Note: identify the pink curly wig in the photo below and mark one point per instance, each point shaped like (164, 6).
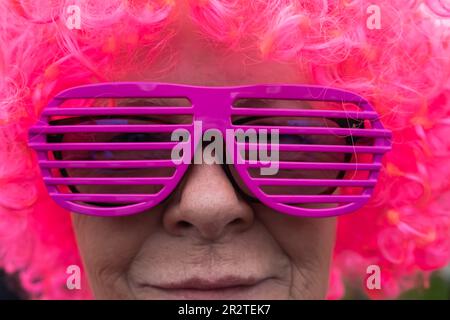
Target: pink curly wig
(403, 69)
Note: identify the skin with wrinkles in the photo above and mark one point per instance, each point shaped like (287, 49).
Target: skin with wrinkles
(402, 69)
(206, 231)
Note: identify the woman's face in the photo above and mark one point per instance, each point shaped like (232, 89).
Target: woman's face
(206, 241)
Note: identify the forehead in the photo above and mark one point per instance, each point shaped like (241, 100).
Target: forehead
(190, 58)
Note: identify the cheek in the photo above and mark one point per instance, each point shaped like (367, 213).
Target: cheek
(299, 236)
(308, 243)
(108, 245)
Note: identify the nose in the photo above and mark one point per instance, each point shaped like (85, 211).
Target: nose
(207, 206)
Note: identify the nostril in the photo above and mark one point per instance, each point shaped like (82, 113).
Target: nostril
(236, 221)
(184, 224)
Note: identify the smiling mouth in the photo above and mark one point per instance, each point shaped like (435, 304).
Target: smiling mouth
(208, 284)
(202, 288)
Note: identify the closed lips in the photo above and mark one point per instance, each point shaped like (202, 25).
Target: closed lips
(209, 284)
